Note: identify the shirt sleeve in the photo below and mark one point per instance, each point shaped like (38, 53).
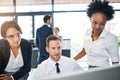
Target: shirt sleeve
(77, 66)
(114, 49)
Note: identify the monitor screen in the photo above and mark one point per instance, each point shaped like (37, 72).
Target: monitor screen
(102, 73)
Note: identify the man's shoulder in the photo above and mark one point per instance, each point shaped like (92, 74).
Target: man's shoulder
(43, 27)
(40, 28)
(43, 63)
(67, 59)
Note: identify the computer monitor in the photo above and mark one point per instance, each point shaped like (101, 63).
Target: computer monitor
(102, 73)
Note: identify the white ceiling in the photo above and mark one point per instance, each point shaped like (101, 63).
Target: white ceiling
(38, 2)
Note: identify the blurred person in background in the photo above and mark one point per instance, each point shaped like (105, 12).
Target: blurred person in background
(41, 34)
(56, 31)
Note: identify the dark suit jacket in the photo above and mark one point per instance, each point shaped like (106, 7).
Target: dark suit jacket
(26, 50)
(41, 35)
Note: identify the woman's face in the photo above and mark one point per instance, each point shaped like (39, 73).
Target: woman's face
(13, 36)
(98, 21)
(56, 31)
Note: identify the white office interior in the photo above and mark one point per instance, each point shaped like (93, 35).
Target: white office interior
(71, 18)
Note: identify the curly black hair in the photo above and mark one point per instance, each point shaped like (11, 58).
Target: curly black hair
(102, 7)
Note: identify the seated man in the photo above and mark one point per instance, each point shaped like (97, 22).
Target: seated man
(56, 63)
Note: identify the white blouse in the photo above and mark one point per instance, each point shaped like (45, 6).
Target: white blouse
(14, 63)
(101, 50)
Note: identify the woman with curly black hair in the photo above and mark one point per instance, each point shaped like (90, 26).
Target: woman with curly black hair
(100, 45)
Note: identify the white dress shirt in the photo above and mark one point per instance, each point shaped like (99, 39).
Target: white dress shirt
(99, 51)
(14, 63)
(48, 68)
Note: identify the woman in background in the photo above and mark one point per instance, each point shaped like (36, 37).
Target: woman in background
(15, 53)
(56, 32)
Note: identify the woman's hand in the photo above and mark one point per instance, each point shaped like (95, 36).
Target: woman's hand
(5, 77)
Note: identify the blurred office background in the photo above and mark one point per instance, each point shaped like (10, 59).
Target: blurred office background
(68, 15)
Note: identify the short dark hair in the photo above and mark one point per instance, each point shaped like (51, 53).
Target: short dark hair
(46, 17)
(9, 24)
(102, 7)
(52, 37)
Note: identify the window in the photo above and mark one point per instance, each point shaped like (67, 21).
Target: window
(25, 22)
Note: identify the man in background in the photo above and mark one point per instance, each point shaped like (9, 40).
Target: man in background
(41, 35)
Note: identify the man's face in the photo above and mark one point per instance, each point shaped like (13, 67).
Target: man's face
(54, 49)
(49, 21)
(98, 21)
